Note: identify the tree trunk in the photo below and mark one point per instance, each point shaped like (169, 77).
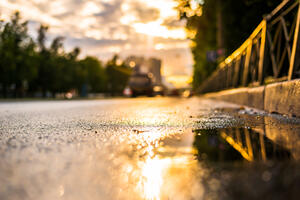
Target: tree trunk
(220, 35)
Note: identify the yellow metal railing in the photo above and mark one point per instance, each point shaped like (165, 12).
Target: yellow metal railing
(272, 50)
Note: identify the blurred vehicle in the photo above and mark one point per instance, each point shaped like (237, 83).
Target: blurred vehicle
(173, 92)
(140, 84)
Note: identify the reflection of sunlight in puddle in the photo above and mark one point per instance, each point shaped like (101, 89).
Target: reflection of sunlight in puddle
(168, 178)
(152, 168)
(160, 175)
(152, 173)
(165, 165)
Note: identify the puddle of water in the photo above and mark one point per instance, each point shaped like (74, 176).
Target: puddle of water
(226, 163)
(256, 157)
(250, 163)
(239, 144)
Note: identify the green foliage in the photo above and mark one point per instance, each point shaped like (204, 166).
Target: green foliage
(240, 18)
(15, 47)
(93, 74)
(118, 75)
(203, 29)
(29, 68)
(236, 22)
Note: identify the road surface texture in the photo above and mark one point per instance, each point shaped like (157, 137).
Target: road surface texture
(146, 148)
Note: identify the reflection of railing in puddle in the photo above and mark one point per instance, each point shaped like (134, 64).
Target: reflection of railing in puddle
(253, 145)
(237, 143)
(256, 144)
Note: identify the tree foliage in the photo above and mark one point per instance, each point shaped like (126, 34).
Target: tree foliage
(33, 68)
(236, 21)
(118, 75)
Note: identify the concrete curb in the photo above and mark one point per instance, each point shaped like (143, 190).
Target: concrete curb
(282, 97)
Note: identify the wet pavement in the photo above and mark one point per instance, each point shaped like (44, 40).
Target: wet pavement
(146, 148)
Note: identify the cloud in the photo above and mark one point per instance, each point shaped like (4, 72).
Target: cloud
(111, 12)
(144, 14)
(105, 27)
(91, 42)
(173, 22)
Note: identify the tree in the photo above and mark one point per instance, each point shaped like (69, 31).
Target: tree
(92, 75)
(29, 67)
(117, 75)
(217, 24)
(201, 26)
(15, 47)
(55, 72)
(44, 73)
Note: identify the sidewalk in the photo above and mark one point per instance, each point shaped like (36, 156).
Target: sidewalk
(282, 97)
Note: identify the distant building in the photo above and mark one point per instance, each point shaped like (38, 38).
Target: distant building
(136, 63)
(154, 66)
(151, 66)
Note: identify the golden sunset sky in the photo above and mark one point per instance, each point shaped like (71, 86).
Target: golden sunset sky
(103, 28)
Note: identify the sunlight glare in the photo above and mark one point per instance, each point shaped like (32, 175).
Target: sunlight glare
(159, 46)
(156, 29)
(179, 80)
(153, 180)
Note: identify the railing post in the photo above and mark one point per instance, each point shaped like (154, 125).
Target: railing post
(237, 67)
(229, 75)
(247, 63)
(248, 143)
(262, 147)
(296, 48)
(262, 52)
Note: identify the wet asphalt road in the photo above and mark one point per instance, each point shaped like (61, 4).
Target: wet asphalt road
(143, 148)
